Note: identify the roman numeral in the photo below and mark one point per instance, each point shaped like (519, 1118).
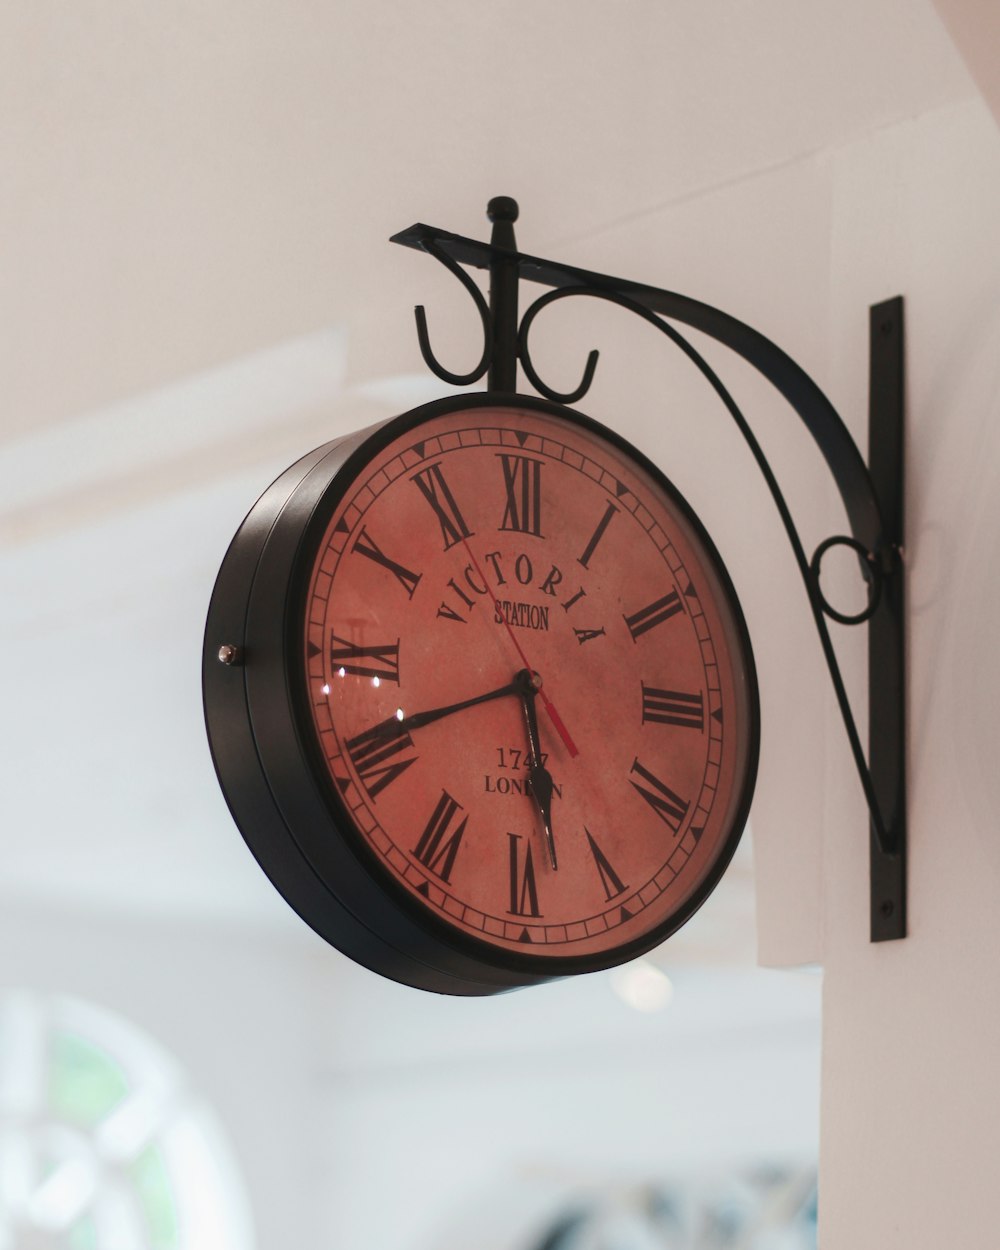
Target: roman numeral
(367, 546)
(672, 707)
(670, 807)
(522, 480)
(523, 893)
(587, 635)
(438, 846)
(610, 880)
(381, 661)
(446, 610)
(597, 535)
(438, 494)
(654, 614)
(374, 758)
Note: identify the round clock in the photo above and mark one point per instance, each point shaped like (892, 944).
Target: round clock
(480, 696)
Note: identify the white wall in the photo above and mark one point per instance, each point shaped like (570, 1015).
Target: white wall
(911, 1096)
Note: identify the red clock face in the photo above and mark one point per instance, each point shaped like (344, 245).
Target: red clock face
(530, 684)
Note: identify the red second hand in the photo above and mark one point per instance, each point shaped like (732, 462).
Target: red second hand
(554, 716)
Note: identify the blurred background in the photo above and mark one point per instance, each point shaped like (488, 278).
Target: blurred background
(196, 288)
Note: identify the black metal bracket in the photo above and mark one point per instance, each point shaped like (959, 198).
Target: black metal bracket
(872, 494)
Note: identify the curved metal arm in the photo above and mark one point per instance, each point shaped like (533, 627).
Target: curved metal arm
(788, 378)
(816, 601)
(446, 375)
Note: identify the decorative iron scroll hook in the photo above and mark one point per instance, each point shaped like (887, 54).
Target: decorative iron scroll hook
(558, 397)
(446, 375)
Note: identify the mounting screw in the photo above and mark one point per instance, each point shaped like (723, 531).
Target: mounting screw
(228, 654)
(887, 909)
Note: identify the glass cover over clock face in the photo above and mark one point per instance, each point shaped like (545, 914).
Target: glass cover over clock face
(530, 684)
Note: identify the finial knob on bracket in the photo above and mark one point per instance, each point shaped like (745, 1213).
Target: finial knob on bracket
(502, 208)
(503, 212)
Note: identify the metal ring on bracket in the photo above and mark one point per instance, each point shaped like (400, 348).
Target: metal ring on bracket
(875, 581)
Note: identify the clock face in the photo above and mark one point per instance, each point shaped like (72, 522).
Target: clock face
(528, 682)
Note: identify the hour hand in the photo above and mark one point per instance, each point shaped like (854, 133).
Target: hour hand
(541, 788)
(539, 777)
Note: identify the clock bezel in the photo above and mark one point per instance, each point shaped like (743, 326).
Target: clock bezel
(386, 926)
(481, 949)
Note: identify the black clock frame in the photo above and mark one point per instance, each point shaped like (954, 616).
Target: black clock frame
(872, 494)
(273, 775)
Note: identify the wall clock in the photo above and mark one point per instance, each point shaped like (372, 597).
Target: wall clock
(480, 696)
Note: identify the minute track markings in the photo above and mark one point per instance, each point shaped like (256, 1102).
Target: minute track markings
(632, 903)
(550, 449)
(482, 437)
(397, 466)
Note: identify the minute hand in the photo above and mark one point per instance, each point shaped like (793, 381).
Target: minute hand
(394, 726)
